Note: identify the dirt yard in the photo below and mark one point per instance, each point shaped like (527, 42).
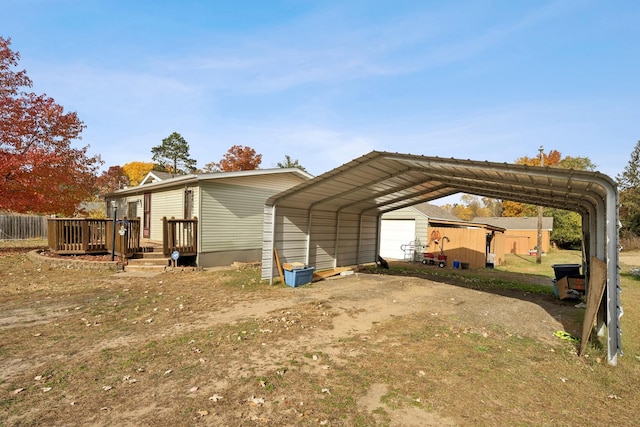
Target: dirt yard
(82, 347)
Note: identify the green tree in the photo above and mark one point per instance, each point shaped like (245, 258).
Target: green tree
(288, 163)
(567, 226)
(629, 192)
(173, 155)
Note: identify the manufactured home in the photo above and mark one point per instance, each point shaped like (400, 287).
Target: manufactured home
(221, 214)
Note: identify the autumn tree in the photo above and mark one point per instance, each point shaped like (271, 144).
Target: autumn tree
(629, 191)
(237, 158)
(288, 163)
(173, 155)
(136, 171)
(471, 206)
(567, 225)
(40, 172)
(111, 180)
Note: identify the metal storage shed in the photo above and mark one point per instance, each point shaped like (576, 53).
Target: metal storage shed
(333, 220)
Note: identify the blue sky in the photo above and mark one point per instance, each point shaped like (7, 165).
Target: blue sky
(328, 81)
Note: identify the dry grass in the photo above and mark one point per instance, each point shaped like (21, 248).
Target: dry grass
(630, 242)
(83, 347)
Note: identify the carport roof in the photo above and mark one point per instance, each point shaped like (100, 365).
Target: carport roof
(380, 182)
(383, 181)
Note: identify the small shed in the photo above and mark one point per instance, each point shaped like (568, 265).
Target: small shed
(521, 233)
(478, 245)
(228, 207)
(409, 233)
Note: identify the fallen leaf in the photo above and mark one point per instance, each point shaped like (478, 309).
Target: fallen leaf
(46, 389)
(203, 413)
(37, 377)
(326, 390)
(106, 387)
(257, 401)
(168, 371)
(18, 390)
(193, 389)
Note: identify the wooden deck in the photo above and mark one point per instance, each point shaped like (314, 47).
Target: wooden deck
(78, 236)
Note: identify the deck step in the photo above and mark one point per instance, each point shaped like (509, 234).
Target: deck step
(158, 261)
(148, 255)
(145, 268)
(158, 268)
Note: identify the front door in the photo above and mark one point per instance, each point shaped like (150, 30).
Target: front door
(146, 216)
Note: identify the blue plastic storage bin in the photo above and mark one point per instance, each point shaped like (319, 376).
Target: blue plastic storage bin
(298, 277)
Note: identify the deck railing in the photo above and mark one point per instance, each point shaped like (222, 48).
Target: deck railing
(77, 236)
(180, 235)
(127, 236)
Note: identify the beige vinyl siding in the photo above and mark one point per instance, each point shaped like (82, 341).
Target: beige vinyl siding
(232, 211)
(167, 203)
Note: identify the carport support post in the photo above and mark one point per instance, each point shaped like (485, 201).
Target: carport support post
(336, 248)
(309, 219)
(272, 241)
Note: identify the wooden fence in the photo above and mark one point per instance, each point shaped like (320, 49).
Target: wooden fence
(21, 227)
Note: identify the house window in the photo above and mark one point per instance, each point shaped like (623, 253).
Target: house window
(188, 204)
(132, 210)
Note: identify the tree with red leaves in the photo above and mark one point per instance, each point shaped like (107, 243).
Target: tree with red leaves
(111, 180)
(238, 158)
(39, 170)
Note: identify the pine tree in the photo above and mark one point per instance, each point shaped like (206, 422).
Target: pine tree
(173, 155)
(630, 177)
(629, 191)
(288, 163)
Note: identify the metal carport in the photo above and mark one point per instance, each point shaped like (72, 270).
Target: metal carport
(333, 220)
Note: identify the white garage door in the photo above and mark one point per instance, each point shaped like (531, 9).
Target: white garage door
(393, 234)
